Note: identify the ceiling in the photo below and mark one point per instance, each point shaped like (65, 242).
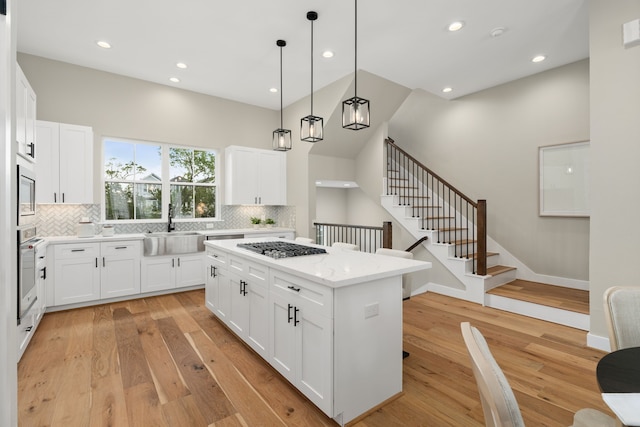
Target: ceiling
(230, 47)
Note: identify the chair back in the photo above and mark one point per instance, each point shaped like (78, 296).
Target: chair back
(346, 246)
(622, 311)
(394, 252)
(304, 240)
(499, 404)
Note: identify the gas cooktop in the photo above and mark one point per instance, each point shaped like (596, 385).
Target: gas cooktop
(277, 249)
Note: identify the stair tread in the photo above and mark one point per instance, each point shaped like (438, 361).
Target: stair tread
(499, 269)
(452, 229)
(575, 300)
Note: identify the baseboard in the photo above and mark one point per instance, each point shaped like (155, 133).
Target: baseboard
(598, 342)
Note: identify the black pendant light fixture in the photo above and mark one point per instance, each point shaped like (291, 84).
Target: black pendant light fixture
(281, 136)
(355, 111)
(311, 126)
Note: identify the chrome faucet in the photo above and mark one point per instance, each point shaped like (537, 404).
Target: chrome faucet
(170, 226)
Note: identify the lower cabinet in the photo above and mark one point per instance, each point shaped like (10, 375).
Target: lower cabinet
(168, 272)
(301, 337)
(91, 271)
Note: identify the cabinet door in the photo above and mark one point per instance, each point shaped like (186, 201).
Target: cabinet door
(48, 168)
(258, 325)
(22, 88)
(272, 187)
(30, 130)
(211, 284)
(190, 270)
(76, 164)
(282, 336)
(77, 273)
(239, 313)
(241, 184)
(223, 310)
(158, 273)
(120, 274)
(314, 356)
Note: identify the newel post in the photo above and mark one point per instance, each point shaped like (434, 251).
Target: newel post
(387, 237)
(482, 238)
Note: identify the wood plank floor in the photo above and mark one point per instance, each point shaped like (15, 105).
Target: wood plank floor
(166, 361)
(575, 300)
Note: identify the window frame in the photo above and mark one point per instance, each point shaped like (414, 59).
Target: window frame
(164, 181)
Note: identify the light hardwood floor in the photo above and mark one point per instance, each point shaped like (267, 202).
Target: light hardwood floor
(166, 361)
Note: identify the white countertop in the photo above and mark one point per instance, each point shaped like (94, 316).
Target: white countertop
(140, 236)
(336, 268)
(97, 238)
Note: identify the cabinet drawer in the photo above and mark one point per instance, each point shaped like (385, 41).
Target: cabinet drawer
(252, 271)
(77, 250)
(217, 256)
(129, 249)
(307, 294)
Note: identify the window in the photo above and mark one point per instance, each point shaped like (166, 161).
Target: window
(140, 178)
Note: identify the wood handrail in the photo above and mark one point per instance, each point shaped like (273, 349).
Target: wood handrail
(435, 175)
(416, 244)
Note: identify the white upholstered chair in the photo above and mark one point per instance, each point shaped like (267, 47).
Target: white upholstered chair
(622, 311)
(304, 240)
(347, 246)
(394, 252)
(499, 404)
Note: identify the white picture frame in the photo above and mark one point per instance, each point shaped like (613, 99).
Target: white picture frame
(564, 179)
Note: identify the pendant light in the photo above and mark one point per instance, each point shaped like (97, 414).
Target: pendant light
(311, 126)
(355, 111)
(281, 136)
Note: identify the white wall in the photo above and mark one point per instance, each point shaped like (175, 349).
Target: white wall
(332, 205)
(615, 145)
(8, 250)
(486, 145)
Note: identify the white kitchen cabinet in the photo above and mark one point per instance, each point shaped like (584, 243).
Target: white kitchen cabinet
(65, 172)
(91, 271)
(249, 305)
(30, 321)
(301, 336)
(25, 117)
(168, 272)
(77, 273)
(254, 176)
(120, 273)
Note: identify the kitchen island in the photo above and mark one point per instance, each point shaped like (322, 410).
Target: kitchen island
(330, 323)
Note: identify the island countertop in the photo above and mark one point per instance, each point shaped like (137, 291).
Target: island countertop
(337, 268)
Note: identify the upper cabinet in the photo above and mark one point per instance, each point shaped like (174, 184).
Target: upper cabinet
(65, 170)
(25, 117)
(255, 177)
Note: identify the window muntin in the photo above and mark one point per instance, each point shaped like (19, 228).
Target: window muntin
(134, 184)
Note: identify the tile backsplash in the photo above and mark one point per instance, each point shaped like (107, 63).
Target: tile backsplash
(62, 219)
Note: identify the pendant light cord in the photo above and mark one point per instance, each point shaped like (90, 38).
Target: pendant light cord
(355, 67)
(312, 67)
(281, 122)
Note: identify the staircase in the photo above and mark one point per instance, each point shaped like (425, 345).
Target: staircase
(426, 205)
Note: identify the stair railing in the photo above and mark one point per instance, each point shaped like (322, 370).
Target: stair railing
(368, 238)
(439, 206)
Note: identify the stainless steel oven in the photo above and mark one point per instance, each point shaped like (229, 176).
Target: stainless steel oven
(26, 196)
(27, 280)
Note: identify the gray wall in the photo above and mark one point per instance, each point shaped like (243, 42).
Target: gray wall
(615, 145)
(119, 106)
(486, 144)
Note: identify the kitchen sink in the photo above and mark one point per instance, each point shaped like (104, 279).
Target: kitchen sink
(177, 242)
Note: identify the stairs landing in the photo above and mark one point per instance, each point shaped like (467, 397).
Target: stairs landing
(547, 302)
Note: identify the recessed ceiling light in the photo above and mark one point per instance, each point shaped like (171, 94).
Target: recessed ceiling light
(456, 26)
(327, 54)
(447, 89)
(181, 65)
(538, 58)
(174, 79)
(273, 90)
(103, 44)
